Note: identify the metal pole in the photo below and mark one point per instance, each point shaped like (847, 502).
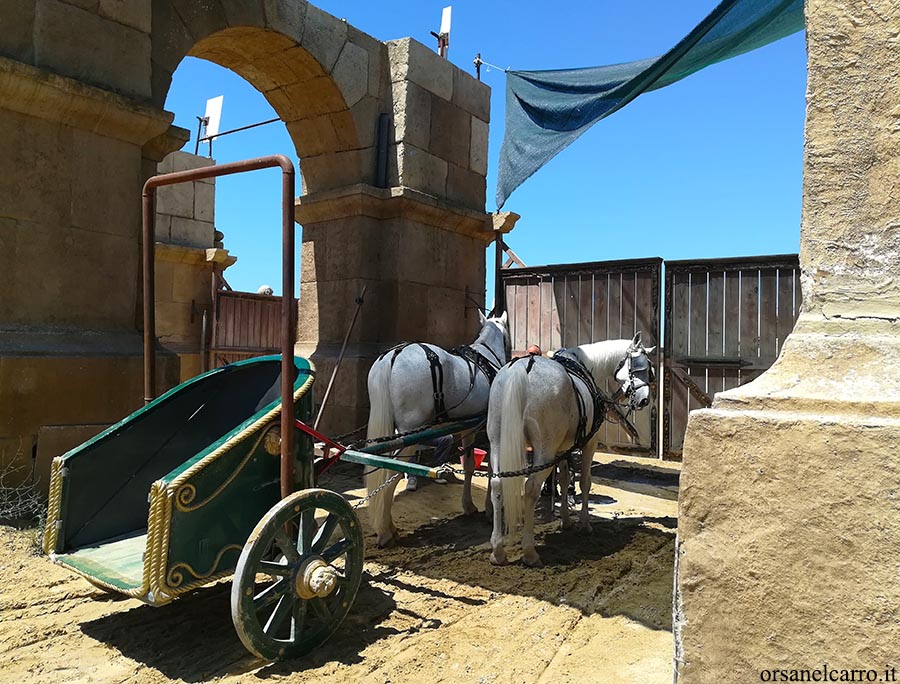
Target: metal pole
(289, 333)
(204, 366)
(359, 303)
(149, 262)
(499, 292)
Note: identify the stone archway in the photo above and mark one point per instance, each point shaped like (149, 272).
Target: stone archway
(321, 76)
(417, 242)
(82, 86)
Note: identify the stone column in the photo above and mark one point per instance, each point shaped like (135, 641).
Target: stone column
(419, 243)
(71, 163)
(789, 528)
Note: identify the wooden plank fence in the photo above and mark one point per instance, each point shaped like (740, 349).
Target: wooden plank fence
(572, 304)
(244, 325)
(725, 322)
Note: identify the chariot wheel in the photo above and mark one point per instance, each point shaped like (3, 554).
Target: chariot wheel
(298, 575)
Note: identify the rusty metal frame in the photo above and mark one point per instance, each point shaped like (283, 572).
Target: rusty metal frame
(289, 315)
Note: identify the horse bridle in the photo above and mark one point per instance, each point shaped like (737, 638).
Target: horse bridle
(634, 382)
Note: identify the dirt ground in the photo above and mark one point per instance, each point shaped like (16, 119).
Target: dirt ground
(432, 610)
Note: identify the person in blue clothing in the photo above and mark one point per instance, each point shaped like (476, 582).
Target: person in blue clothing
(443, 453)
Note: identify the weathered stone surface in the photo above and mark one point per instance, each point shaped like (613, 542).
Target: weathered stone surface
(27, 161)
(119, 62)
(421, 170)
(410, 60)
(191, 233)
(478, 150)
(465, 187)
(201, 18)
(337, 170)
(787, 504)
(314, 97)
(412, 114)
(176, 200)
(324, 36)
(89, 5)
(134, 14)
(450, 133)
(243, 13)
(205, 202)
(472, 95)
(119, 212)
(286, 16)
(351, 72)
(17, 31)
(365, 115)
(171, 42)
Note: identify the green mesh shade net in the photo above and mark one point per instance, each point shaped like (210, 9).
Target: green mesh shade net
(546, 111)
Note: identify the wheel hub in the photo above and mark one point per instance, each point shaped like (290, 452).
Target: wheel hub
(315, 578)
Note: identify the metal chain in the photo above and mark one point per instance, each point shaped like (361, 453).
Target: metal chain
(528, 470)
(377, 489)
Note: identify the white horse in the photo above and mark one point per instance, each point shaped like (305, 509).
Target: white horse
(405, 388)
(538, 403)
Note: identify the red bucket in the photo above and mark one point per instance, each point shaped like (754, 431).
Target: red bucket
(479, 457)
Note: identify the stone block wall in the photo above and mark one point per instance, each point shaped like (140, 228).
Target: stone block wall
(185, 258)
(441, 116)
(185, 213)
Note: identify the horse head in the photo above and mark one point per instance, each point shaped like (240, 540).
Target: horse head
(635, 373)
(494, 333)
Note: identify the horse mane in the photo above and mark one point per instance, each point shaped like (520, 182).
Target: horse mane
(602, 357)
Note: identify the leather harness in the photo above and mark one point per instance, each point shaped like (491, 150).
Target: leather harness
(599, 399)
(473, 358)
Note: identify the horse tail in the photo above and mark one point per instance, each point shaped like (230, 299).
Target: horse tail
(512, 445)
(381, 424)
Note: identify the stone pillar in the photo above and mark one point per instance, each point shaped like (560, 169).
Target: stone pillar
(418, 244)
(185, 258)
(71, 163)
(789, 527)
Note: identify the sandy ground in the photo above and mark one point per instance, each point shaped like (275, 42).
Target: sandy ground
(432, 610)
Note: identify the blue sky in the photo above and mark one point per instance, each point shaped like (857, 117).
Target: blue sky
(708, 167)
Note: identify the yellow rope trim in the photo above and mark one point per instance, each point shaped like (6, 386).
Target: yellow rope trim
(186, 493)
(160, 521)
(174, 578)
(54, 506)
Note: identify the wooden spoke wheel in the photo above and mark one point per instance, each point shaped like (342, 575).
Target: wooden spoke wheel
(297, 575)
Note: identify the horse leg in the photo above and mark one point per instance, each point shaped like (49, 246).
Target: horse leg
(385, 530)
(564, 495)
(498, 553)
(489, 498)
(469, 467)
(587, 460)
(532, 492)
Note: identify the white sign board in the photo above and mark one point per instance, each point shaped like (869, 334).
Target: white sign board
(213, 115)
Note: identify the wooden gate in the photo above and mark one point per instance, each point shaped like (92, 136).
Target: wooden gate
(571, 304)
(726, 320)
(244, 325)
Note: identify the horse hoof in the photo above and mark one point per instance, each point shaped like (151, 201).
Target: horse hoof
(471, 509)
(497, 559)
(567, 525)
(585, 526)
(532, 561)
(386, 541)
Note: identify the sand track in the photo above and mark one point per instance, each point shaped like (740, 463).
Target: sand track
(431, 610)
